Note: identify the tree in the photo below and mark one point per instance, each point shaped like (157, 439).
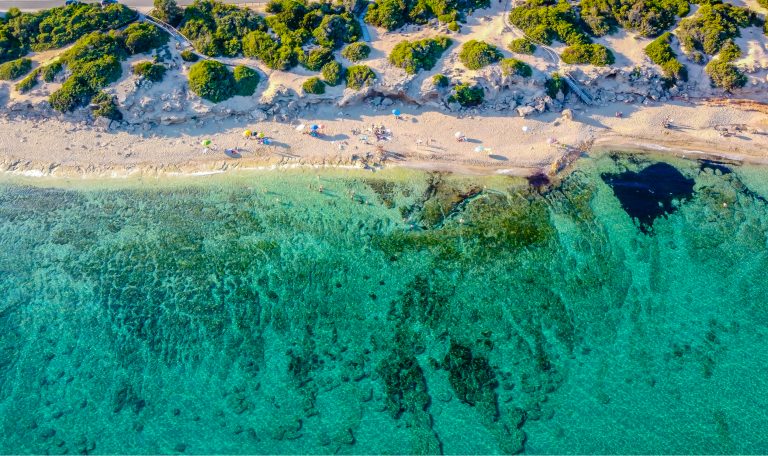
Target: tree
(168, 11)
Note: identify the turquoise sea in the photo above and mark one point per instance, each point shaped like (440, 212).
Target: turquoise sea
(622, 310)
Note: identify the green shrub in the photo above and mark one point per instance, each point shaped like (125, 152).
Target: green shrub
(246, 80)
(56, 27)
(316, 58)
(93, 47)
(392, 14)
(454, 26)
(337, 29)
(514, 66)
(189, 56)
(50, 71)
(730, 52)
(725, 75)
(28, 83)
(15, 69)
(148, 70)
(555, 84)
(141, 37)
(522, 46)
(359, 76)
(211, 80)
(545, 21)
(647, 17)
(440, 80)
(105, 106)
(661, 53)
(478, 54)
(10, 46)
(75, 92)
(413, 56)
(168, 11)
(467, 95)
(313, 85)
(356, 52)
(262, 46)
(216, 28)
(333, 73)
(712, 26)
(582, 54)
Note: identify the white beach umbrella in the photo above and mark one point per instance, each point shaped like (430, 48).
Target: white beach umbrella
(300, 127)
(458, 134)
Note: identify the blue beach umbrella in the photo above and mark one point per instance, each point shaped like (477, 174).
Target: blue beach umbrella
(396, 112)
(314, 127)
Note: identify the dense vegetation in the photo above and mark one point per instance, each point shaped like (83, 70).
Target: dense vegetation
(356, 52)
(478, 54)
(647, 17)
(50, 71)
(522, 46)
(545, 22)
(333, 73)
(712, 25)
(555, 85)
(216, 28)
(189, 56)
(246, 80)
(142, 37)
(28, 83)
(583, 54)
(211, 80)
(168, 11)
(14, 69)
(413, 56)
(661, 53)
(722, 72)
(56, 27)
(393, 14)
(467, 95)
(359, 76)
(105, 106)
(314, 59)
(515, 67)
(314, 86)
(149, 70)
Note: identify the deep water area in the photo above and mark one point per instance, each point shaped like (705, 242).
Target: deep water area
(621, 310)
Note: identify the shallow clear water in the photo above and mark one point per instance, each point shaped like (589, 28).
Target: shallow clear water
(395, 313)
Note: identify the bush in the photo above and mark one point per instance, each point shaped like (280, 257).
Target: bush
(413, 56)
(725, 75)
(467, 95)
(648, 17)
(332, 73)
(730, 52)
(50, 71)
(217, 28)
(148, 70)
(75, 92)
(105, 106)
(359, 76)
(316, 58)
(712, 26)
(478, 54)
(661, 53)
(10, 46)
(522, 46)
(168, 11)
(314, 86)
(356, 52)
(56, 27)
(392, 14)
(28, 83)
(440, 80)
(211, 80)
(454, 26)
(189, 56)
(337, 29)
(555, 84)
(514, 66)
(262, 46)
(545, 21)
(246, 80)
(582, 54)
(15, 69)
(141, 37)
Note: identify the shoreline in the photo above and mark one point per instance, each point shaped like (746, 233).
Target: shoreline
(422, 140)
